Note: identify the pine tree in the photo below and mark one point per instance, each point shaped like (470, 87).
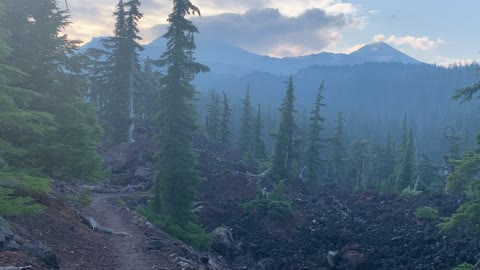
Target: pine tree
(133, 16)
(225, 121)
(246, 135)
(176, 177)
(212, 124)
(259, 151)
(339, 153)
(407, 166)
(454, 141)
(360, 163)
(284, 139)
(55, 74)
(315, 141)
(18, 123)
(121, 64)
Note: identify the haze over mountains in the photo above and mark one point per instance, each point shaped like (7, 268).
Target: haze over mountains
(375, 87)
(227, 59)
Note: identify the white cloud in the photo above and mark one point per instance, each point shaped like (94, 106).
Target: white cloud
(419, 43)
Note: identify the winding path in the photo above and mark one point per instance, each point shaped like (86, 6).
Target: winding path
(129, 250)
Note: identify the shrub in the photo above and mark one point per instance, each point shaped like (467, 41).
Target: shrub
(83, 199)
(468, 214)
(274, 206)
(11, 205)
(464, 266)
(410, 192)
(426, 213)
(192, 233)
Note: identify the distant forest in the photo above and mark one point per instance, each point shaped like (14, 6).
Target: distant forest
(374, 98)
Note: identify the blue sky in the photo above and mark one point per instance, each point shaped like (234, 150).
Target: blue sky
(433, 31)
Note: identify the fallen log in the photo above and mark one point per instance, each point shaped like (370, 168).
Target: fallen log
(92, 223)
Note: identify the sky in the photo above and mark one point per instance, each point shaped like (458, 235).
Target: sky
(432, 31)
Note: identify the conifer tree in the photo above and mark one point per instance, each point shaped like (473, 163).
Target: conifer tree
(315, 141)
(246, 135)
(212, 124)
(407, 166)
(55, 74)
(176, 177)
(339, 153)
(18, 122)
(259, 151)
(284, 139)
(225, 121)
(360, 163)
(454, 141)
(121, 64)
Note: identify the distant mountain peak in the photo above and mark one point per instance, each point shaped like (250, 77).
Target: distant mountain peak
(382, 52)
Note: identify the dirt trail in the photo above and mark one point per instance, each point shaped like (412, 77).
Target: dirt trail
(129, 250)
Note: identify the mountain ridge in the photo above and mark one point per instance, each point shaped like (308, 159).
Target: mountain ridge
(228, 59)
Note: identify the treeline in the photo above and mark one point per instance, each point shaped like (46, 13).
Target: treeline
(305, 147)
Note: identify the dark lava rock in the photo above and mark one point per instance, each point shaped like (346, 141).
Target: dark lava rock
(44, 253)
(222, 241)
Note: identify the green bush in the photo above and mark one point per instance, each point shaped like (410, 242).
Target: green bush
(468, 214)
(410, 192)
(426, 213)
(275, 206)
(11, 205)
(192, 233)
(464, 266)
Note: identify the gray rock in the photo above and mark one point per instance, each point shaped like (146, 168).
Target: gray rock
(44, 253)
(222, 241)
(7, 237)
(265, 264)
(357, 261)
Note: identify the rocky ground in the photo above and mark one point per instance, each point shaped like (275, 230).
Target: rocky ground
(330, 229)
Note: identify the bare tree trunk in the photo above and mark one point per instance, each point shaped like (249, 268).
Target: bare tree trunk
(130, 100)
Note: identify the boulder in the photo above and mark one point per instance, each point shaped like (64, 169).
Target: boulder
(44, 253)
(266, 264)
(7, 238)
(143, 174)
(357, 261)
(222, 241)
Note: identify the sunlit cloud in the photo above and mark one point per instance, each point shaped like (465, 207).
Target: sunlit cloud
(419, 43)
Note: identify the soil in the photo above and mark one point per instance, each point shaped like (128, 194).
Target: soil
(79, 247)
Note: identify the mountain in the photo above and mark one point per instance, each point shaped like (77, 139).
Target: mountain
(227, 59)
(382, 52)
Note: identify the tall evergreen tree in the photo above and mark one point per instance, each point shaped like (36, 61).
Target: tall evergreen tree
(212, 124)
(225, 121)
(133, 15)
(246, 135)
(360, 164)
(18, 123)
(454, 143)
(259, 151)
(407, 167)
(121, 64)
(176, 177)
(315, 141)
(339, 153)
(55, 74)
(284, 139)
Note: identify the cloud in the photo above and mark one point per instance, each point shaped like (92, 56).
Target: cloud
(419, 43)
(268, 31)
